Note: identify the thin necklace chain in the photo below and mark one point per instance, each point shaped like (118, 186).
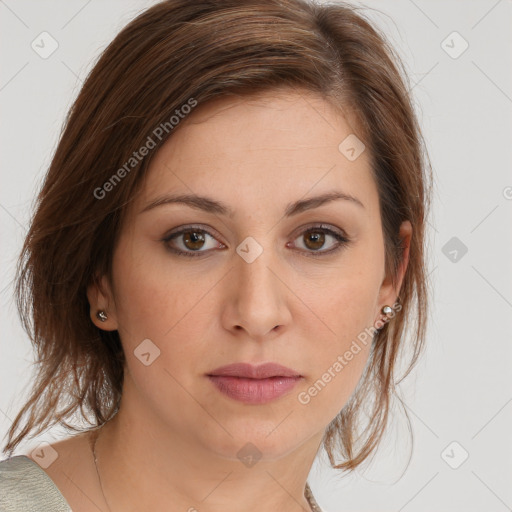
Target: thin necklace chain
(96, 466)
(307, 493)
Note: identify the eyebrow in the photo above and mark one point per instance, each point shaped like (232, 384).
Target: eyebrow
(210, 205)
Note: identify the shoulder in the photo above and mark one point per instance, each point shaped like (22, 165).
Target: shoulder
(25, 486)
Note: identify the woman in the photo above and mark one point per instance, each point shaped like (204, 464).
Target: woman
(225, 254)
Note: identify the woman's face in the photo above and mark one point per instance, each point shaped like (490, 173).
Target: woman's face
(267, 280)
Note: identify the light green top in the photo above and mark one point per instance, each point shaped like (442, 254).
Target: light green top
(25, 487)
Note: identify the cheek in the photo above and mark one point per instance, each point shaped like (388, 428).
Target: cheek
(338, 356)
(343, 329)
(155, 301)
(347, 324)
(326, 395)
(344, 306)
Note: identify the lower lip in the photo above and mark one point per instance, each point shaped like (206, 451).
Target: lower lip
(254, 391)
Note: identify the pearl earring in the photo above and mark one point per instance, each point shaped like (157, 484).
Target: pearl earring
(387, 310)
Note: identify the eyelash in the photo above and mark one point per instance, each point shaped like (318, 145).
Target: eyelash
(341, 239)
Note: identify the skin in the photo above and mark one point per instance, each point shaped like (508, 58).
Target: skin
(176, 437)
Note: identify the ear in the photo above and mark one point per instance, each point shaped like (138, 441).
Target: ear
(388, 294)
(101, 298)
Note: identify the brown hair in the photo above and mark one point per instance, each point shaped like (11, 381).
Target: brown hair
(175, 53)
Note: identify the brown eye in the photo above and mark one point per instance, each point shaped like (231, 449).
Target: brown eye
(193, 240)
(320, 241)
(314, 240)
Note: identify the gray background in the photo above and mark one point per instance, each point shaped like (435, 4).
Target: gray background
(461, 391)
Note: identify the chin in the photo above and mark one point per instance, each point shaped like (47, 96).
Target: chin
(254, 440)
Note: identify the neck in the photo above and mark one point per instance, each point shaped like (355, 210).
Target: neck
(138, 470)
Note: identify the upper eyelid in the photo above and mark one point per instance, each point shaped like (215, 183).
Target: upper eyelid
(184, 229)
(319, 225)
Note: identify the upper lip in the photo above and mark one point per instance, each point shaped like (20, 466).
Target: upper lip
(262, 371)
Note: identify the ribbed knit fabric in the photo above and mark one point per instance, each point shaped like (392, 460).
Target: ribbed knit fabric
(25, 487)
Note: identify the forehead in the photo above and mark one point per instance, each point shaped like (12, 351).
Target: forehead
(275, 146)
(295, 116)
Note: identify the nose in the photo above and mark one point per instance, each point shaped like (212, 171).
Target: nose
(257, 302)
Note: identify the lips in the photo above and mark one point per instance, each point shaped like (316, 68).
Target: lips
(254, 385)
(250, 371)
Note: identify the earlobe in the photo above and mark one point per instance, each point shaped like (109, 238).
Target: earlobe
(102, 305)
